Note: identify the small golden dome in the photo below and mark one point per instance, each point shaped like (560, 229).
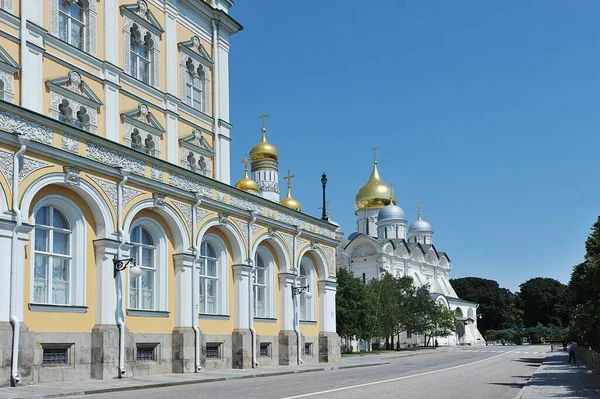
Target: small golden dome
(290, 202)
(264, 150)
(374, 194)
(247, 184)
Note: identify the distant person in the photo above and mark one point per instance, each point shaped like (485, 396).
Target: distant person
(571, 350)
(564, 346)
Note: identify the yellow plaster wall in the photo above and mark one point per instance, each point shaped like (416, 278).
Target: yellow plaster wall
(208, 326)
(9, 29)
(63, 322)
(156, 325)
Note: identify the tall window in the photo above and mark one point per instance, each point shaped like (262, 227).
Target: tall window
(140, 54)
(303, 283)
(71, 22)
(193, 86)
(208, 278)
(260, 287)
(307, 278)
(142, 290)
(52, 252)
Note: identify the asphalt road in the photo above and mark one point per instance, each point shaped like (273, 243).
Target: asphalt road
(491, 372)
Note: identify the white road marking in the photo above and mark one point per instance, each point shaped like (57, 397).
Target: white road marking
(393, 379)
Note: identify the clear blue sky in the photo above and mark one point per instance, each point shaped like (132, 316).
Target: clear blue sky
(488, 112)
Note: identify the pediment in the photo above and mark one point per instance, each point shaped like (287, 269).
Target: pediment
(363, 245)
(194, 48)
(196, 141)
(140, 13)
(142, 118)
(73, 86)
(8, 63)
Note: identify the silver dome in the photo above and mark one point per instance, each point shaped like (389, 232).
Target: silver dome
(390, 212)
(351, 236)
(419, 226)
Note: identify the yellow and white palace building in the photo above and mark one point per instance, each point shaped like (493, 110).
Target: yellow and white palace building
(114, 144)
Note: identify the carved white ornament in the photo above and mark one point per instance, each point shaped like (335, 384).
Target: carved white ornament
(72, 177)
(129, 194)
(271, 213)
(188, 184)
(109, 188)
(330, 257)
(156, 173)
(6, 166)
(90, 30)
(197, 67)
(16, 124)
(243, 227)
(154, 52)
(221, 195)
(186, 211)
(293, 220)
(70, 143)
(57, 98)
(8, 79)
(243, 203)
(202, 213)
(268, 186)
(144, 135)
(363, 249)
(113, 158)
(289, 241)
(7, 5)
(301, 242)
(28, 166)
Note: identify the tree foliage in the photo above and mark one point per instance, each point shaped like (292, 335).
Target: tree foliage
(544, 301)
(353, 307)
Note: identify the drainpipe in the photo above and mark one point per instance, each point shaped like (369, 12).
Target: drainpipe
(14, 270)
(195, 281)
(121, 314)
(251, 291)
(216, 113)
(296, 300)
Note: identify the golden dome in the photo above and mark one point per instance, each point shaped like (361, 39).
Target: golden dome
(247, 184)
(264, 150)
(288, 201)
(374, 194)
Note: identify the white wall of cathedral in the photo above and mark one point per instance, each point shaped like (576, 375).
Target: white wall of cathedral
(421, 238)
(392, 231)
(366, 221)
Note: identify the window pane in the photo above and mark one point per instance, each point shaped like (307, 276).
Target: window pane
(59, 220)
(135, 235)
(41, 239)
(260, 276)
(147, 289)
(63, 28)
(210, 251)
(197, 104)
(134, 63)
(133, 293)
(61, 243)
(63, 5)
(42, 217)
(147, 257)
(40, 285)
(77, 38)
(60, 281)
(188, 94)
(211, 268)
(146, 237)
(77, 12)
(146, 72)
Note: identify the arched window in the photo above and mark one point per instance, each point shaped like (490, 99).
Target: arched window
(140, 54)
(72, 22)
(209, 279)
(83, 119)
(136, 140)
(263, 294)
(52, 270)
(65, 113)
(193, 86)
(307, 278)
(142, 290)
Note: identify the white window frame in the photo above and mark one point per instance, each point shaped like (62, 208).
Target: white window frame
(89, 8)
(191, 66)
(136, 252)
(76, 220)
(70, 20)
(269, 284)
(145, 29)
(306, 311)
(222, 294)
(146, 43)
(160, 261)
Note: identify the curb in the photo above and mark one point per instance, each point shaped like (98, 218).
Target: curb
(200, 381)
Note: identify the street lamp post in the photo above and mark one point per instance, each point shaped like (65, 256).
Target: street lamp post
(296, 292)
(324, 183)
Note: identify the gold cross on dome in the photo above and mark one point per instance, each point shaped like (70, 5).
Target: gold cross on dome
(263, 116)
(391, 192)
(374, 149)
(245, 161)
(419, 207)
(289, 178)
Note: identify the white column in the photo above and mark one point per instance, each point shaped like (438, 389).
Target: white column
(6, 228)
(327, 290)
(222, 98)
(111, 31)
(241, 277)
(106, 296)
(224, 148)
(32, 84)
(172, 138)
(35, 11)
(112, 121)
(183, 289)
(286, 305)
(171, 49)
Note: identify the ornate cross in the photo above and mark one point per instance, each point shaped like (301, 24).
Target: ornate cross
(263, 116)
(245, 161)
(391, 192)
(289, 178)
(374, 149)
(419, 206)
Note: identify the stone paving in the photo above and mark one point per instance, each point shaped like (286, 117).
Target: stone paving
(556, 378)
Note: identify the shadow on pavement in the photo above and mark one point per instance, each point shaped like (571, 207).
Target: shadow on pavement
(509, 384)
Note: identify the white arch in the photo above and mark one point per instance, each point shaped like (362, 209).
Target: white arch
(282, 255)
(320, 261)
(103, 217)
(174, 221)
(238, 246)
(3, 201)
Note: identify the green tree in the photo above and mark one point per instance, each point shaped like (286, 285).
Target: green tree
(496, 305)
(544, 301)
(353, 307)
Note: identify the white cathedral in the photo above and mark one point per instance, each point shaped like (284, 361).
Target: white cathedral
(381, 243)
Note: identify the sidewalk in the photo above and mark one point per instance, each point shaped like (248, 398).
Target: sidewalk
(88, 387)
(556, 378)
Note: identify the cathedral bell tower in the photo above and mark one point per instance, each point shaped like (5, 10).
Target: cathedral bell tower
(264, 164)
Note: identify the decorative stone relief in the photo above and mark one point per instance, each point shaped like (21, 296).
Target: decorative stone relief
(109, 188)
(271, 213)
(142, 140)
(198, 71)
(301, 242)
(156, 173)
(8, 6)
(243, 203)
(72, 177)
(268, 186)
(8, 81)
(243, 227)
(293, 220)
(289, 241)
(35, 132)
(221, 196)
(6, 166)
(29, 166)
(202, 213)
(188, 184)
(90, 30)
(57, 99)
(113, 158)
(330, 257)
(70, 143)
(159, 200)
(186, 211)
(129, 194)
(256, 229)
